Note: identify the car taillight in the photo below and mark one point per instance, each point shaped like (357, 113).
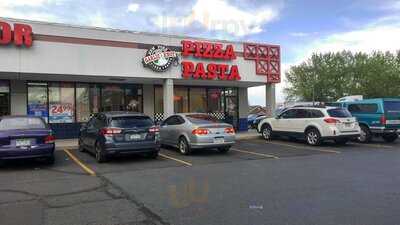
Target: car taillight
(49, 139)
(229, 130)
(383, 120)
(200, 131)
(154, 129)
(110, 131)
(331, 120)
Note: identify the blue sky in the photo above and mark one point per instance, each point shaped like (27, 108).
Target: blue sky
(300, 27)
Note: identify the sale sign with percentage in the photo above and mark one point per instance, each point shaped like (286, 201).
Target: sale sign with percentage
(61, 113)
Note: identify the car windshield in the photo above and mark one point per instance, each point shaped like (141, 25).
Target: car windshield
(202, 119)
(392, 106)
(18, 123)
(131, 121)
(339, 113)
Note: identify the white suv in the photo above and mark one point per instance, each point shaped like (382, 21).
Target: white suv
(313, 124)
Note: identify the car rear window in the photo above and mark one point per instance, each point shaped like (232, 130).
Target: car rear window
(339, 113)
(18, 123)
(131, 121)
(202, 119)
(392, 106)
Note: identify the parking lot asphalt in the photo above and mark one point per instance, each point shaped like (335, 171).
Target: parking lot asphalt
(257, 182)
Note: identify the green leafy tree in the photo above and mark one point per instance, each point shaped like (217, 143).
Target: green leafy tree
(330, 76)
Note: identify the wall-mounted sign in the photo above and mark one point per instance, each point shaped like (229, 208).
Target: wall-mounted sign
(267, 60)
(21, 35)
(210, 71)
(159, 58)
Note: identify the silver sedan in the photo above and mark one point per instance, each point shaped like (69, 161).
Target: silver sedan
(189, 131)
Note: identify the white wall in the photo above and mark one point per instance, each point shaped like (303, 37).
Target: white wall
(46, 57)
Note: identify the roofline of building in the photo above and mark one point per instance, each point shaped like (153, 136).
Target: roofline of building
(128, 31)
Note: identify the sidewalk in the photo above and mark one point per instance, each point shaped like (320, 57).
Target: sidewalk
(73, 143)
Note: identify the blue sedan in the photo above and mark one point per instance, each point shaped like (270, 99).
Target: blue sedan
(25, 137)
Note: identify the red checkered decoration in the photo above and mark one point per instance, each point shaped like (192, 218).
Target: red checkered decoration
(267, 58)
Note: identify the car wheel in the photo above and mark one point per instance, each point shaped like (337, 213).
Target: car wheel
(365, 135)
(224, 149)
(341, 141)
(389, 138)
(152, 155)
(50, 160)
(266, 132)
(80, 146)
(313, 137)
(99, 153)
(183, 146)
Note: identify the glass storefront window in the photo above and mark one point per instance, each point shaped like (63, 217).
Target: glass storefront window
(158, 100)
(4, 98)
(112, 98)
(82, 102)
(37, 100)
(134, 98)
(181, 101)
(61, 103)
(198, 100)
(215, 100)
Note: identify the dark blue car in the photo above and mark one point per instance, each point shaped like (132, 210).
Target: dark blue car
(25, 137)
(118, 133)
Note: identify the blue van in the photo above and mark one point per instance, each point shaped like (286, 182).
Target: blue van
(377, 117)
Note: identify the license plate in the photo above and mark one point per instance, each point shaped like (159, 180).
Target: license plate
(22, 142)
(393, 122)
(135, 136)
(218, 140)
(347, 125)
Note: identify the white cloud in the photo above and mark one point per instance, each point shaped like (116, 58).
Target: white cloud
(133, 7)
(219, 15)
(8, 8)
(12, 3)
(97, 20)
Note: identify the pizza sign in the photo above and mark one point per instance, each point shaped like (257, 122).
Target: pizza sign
(212, 70)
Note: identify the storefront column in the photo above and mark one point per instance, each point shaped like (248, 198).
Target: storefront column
(168, 89)
(18, 97)
(270, 101)
(243, 109)
(148, 100)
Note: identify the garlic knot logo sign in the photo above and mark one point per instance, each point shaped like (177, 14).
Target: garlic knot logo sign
(159, 58)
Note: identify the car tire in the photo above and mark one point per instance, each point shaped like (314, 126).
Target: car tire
(313, 137)
(183, 146)
(49, 160)
(80, 146)
(341, 141)
(365, 135)
(389, 138)
(266, 132)
(152, 155)
(101, 157)
(224, 149)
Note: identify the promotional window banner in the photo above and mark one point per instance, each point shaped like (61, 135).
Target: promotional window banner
(38, 109)
(61, 113)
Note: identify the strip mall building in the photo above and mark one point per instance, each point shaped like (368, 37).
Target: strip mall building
(65, 73)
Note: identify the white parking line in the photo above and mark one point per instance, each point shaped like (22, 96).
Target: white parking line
(175, 159)
(255, 153)
(311, 148)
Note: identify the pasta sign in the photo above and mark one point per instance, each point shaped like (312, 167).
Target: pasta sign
(211, 71)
